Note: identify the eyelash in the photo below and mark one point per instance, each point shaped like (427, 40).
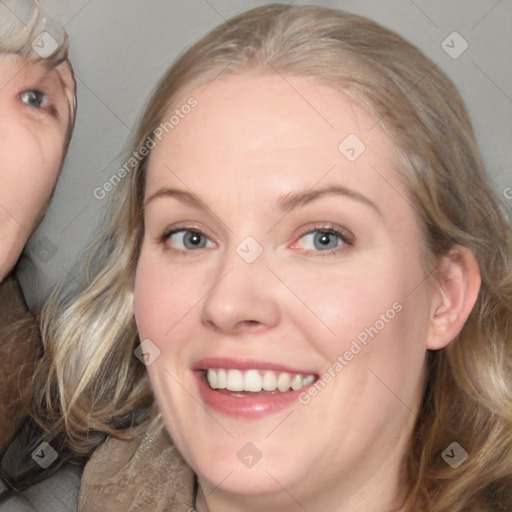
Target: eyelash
(344, 236)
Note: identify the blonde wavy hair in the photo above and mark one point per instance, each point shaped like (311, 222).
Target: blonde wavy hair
(89, 384)
(23, 25)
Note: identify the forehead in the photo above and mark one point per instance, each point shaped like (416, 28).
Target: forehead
(268, 132)
(16, 69)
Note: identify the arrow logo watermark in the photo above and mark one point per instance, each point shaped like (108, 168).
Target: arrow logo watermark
(351, 147)
(44, 455)
(147, 352)
(249, 455)
(454, 455)
(249, 249)
(454, 45)
(45, 45)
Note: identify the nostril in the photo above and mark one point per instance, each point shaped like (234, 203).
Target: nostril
(250, 323)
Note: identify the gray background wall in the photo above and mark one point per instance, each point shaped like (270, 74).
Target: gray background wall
(119, 48)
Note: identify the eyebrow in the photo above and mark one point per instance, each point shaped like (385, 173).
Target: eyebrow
(293, 199)
(285, 203)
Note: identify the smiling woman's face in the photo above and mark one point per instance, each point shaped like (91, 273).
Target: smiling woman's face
(248, 271)
(35, 110)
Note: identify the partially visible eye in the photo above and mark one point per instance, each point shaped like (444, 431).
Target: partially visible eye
(183, 239)
(324, 240)
(35, 98)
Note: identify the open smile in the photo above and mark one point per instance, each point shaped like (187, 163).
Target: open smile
(249, 389)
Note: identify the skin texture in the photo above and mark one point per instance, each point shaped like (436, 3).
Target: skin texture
(251, 140)
(33, 132)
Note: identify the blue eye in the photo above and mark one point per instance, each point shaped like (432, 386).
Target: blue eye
(34, 98)
(184, 239)
(324, 240)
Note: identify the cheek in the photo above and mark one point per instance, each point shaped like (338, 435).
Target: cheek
(145, 308)
(161, 297)
(365, 322)
(29, 166)
(368, 328)
(333, 305)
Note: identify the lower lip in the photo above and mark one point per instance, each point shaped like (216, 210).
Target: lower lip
(245, 407)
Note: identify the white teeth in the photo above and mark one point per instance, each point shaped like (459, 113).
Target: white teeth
(256, 380)
(308, 380)
(253, 381)
(269, 381)
(212, 379)
(283, 382)
(297, 382)
(222, 378)
(235, 381)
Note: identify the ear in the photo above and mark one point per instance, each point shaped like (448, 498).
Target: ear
(458, 284)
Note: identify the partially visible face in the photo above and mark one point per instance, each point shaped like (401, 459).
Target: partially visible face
(35, 115)
(267, 292)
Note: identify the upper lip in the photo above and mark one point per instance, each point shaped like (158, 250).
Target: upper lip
(246, 364)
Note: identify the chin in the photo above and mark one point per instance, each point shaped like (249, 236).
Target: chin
(234, 478)
(241, 467)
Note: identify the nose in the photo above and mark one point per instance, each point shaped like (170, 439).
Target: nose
(242, 298)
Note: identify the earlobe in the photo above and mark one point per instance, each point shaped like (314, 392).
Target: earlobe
(458, 284)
